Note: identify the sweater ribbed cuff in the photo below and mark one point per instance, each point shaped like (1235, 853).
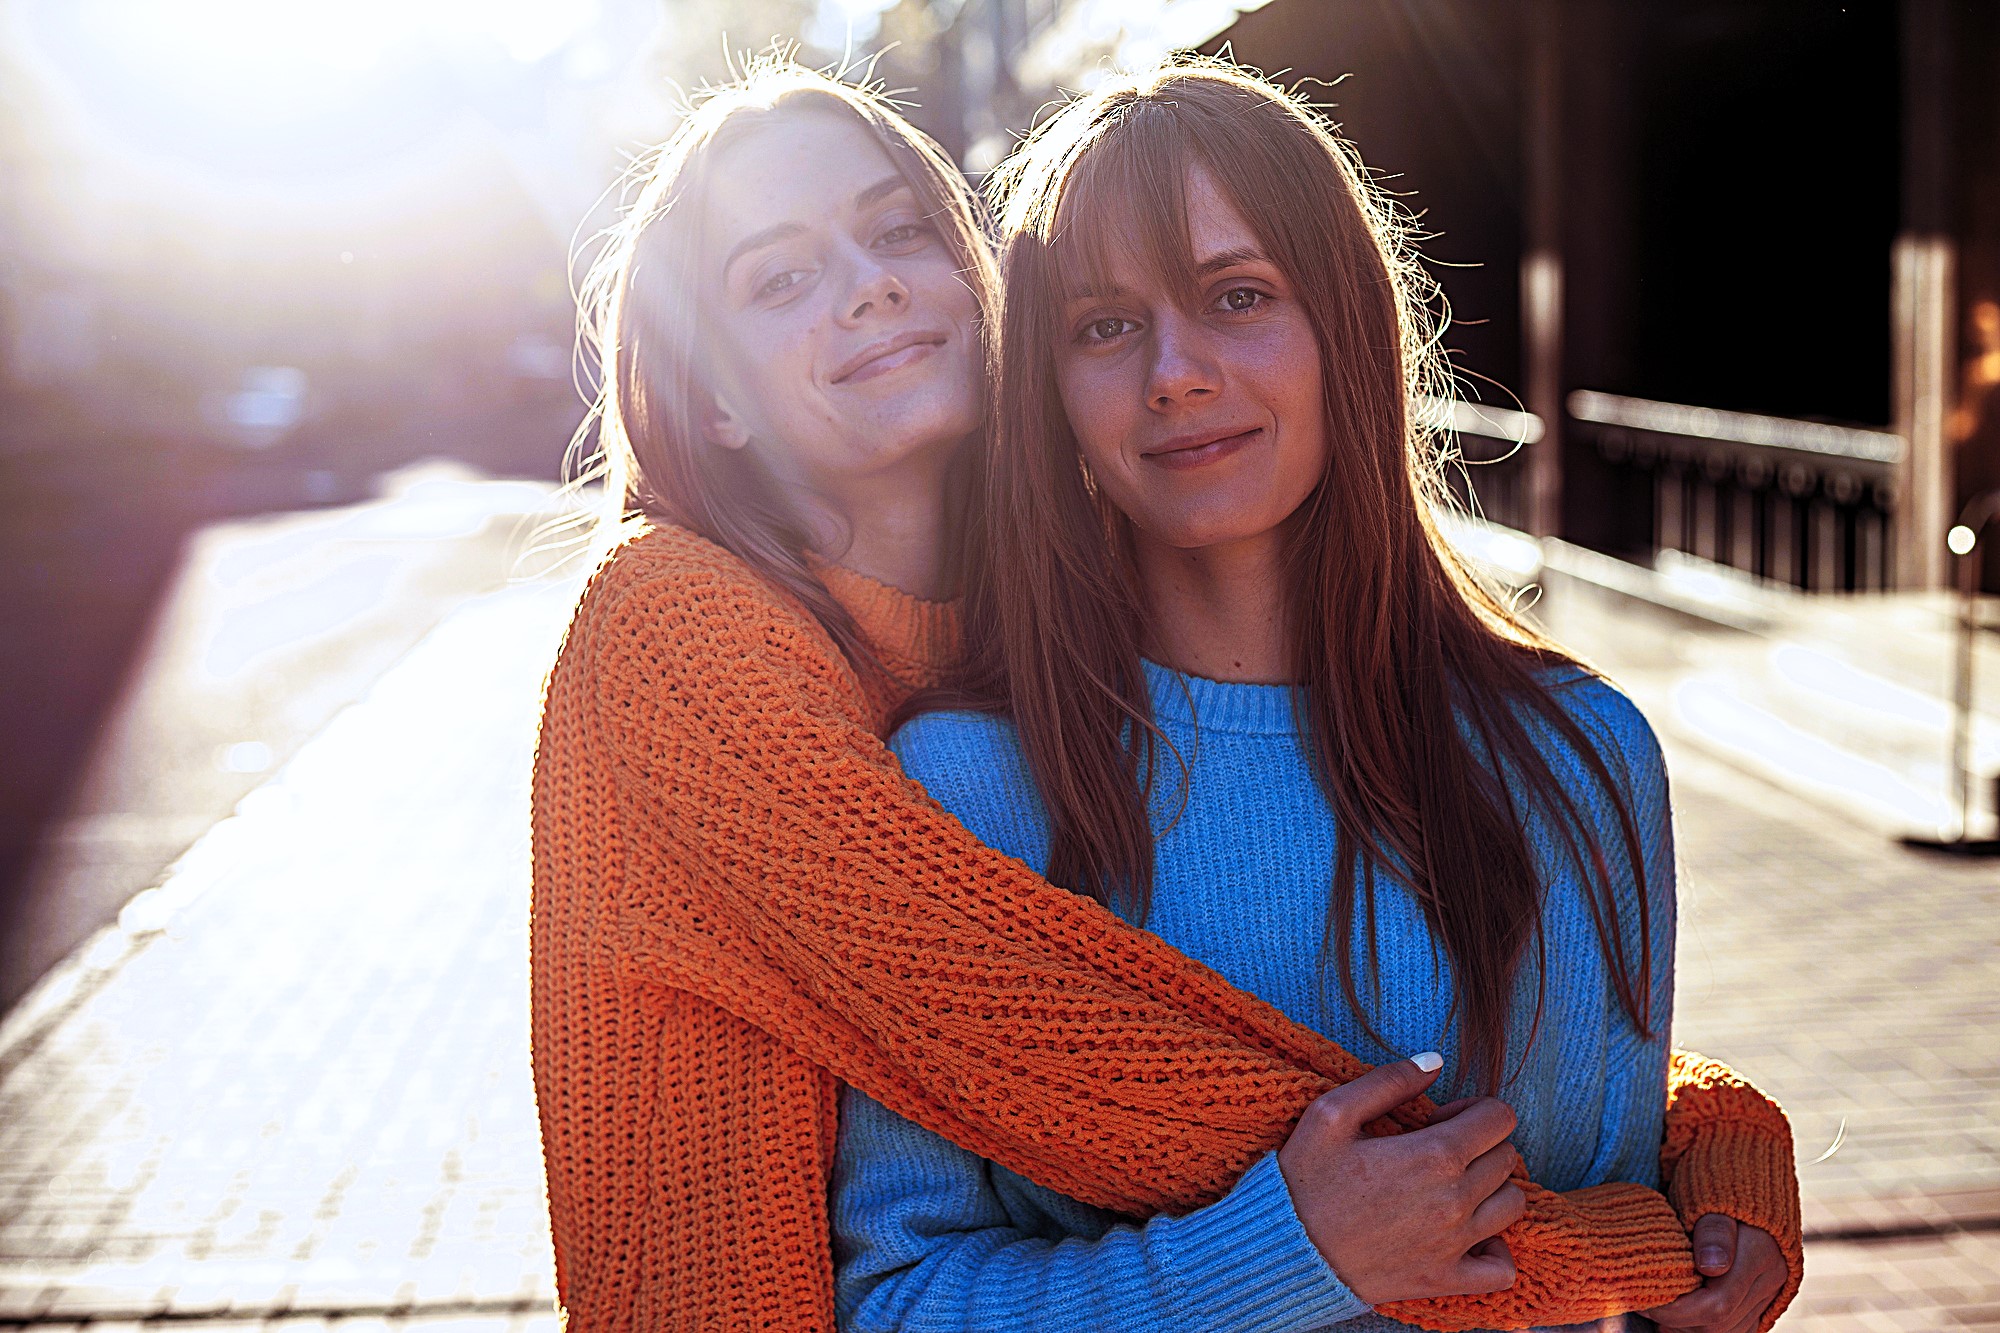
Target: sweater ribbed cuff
(1749, 1173)
(1729, 1151)
(1606, 1250)
(1245, 1261)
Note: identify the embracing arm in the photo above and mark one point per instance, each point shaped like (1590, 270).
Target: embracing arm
(1728, 1153)
(829, 902)
(821, 896)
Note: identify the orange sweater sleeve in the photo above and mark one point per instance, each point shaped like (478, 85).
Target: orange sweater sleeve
(734, 1235)
(822, 898)
(829, 901)
(1728, 1150)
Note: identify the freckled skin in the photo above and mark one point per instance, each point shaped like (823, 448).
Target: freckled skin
(790, 315)
(1138, 372)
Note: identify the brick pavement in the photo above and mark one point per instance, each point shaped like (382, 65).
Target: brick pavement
(269, 627)
(1859, 983)
(292, 1091)
(297, 1078)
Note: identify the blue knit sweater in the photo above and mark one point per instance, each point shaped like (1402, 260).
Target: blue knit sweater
(928, 1236)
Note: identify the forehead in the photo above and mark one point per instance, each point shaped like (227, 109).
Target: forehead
(1159, 240)
(801, 168)
(1214, 222)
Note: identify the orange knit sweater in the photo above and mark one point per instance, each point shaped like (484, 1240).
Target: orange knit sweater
(739, 901)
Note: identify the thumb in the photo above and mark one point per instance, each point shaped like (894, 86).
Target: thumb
(1714, 1244)
(1380, 1090)
(1486, 1267)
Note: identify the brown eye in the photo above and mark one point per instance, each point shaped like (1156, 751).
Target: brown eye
(779, 283)
(907, 234)
(1240, 299)
(1104, 330)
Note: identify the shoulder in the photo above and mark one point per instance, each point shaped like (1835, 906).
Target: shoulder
(668, 568)
(673, 597)
(972, 764)
(1610, 722)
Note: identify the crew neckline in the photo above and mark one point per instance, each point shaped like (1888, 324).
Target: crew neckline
(1219, 705)
(913, 634)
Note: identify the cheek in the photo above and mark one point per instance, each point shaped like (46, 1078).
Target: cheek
(1310, 411)
(784, 348)
(954, 294)
(774, 360)
(1310, 467)
(933, 278)
(1294, 387)
(1092, 402)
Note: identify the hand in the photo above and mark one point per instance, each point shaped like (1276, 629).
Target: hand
(1411, 1215)
(1742, 1269)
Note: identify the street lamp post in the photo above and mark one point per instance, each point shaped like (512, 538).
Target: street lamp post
(1964, 541)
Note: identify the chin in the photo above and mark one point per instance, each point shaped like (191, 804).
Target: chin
(918, 451)
(921, 431)
(1192, 532)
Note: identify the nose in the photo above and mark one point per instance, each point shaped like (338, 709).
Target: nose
(1183, 369)
(875, 290)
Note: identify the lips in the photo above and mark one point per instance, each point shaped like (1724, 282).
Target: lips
(1194, 450)
(879, 358)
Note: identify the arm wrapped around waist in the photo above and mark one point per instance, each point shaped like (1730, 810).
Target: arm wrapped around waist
(795, 878)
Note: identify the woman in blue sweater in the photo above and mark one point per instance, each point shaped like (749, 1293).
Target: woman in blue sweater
(1224, 675)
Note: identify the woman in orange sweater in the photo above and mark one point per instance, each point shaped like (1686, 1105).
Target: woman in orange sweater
(740, 902)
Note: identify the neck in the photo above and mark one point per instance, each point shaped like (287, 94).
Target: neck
(1218, 612)
(890, 526)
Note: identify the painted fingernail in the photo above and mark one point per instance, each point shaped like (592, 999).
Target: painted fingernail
(1430, 1062)
(1713, 1256)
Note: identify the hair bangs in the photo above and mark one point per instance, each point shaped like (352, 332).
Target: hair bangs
(1127, 196)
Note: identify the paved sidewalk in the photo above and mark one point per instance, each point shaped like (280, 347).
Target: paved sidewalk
(1860, 984)
(296, 1079)
(269, 626)
(291, 1091)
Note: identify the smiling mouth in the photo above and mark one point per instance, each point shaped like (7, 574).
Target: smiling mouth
(902, 352)
(1204, 451)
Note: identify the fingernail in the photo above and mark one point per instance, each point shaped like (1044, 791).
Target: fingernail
(1712, 1256)
(1430, 1062)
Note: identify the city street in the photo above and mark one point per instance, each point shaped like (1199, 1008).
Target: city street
(1691, 308)
(289, 1088)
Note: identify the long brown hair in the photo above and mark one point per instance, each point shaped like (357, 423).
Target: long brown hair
(641, 318)
(1418, 687)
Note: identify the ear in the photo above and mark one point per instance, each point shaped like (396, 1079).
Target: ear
(724, 427)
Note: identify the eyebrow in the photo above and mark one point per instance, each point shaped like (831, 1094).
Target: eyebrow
(784, 231)
(1224, 259)
(1215, 263)
(757, 240)
(881, 190)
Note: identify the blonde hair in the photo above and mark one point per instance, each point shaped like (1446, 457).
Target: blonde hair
(639, 317)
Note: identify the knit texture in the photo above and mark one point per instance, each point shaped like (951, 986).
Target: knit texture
(929, 1236)
(739, 901)
(1723, 1154)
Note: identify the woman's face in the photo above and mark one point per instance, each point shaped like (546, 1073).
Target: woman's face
(1203, 423)
(846, 334)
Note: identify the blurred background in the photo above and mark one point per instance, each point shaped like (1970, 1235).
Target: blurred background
(286, 384)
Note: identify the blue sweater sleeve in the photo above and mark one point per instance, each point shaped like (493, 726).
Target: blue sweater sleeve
(1632, 1114)
(924, 1237)
(924, 1240)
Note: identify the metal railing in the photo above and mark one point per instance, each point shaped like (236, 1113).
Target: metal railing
(1490, 443)
(1804, 503)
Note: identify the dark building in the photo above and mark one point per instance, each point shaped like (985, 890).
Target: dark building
(1739, 258)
